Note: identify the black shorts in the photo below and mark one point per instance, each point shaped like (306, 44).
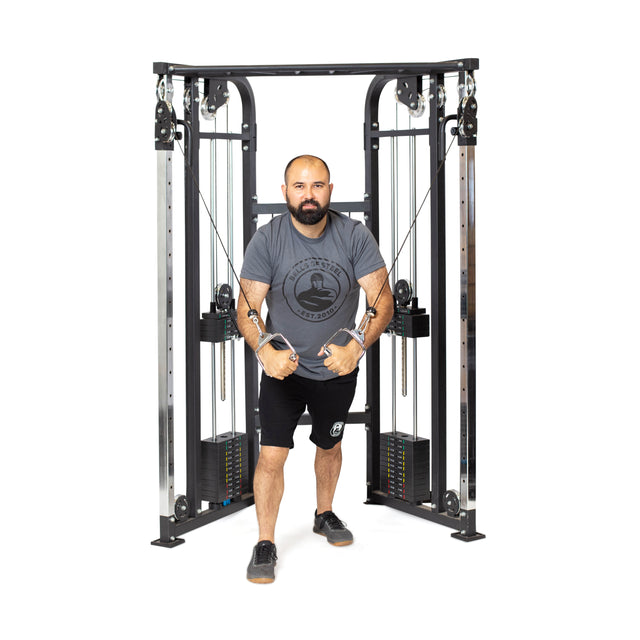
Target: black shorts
(282, 402)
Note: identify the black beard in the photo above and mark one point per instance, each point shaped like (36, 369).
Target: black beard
(308, 217)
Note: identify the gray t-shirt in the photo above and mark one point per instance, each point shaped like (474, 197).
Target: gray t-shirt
(314, 289)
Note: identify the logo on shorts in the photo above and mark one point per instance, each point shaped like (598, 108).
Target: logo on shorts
(315, 288)
(337, 428)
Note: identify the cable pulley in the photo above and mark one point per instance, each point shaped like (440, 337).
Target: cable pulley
(403, 292)
(223, 297)
(468, 109)
(166, 121)
(452, 502)
(181, 508)
(216, 95)
(409, 93)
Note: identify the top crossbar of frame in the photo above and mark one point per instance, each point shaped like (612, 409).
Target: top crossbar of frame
(394, 69)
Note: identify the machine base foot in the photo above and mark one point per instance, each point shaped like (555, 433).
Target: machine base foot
(476, 536)
(167, 543)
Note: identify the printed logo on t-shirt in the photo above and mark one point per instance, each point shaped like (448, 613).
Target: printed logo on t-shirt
(315, 288)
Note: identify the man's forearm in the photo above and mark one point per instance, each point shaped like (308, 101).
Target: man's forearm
(253, 294)
(248, 328)
(251, 335)
(379, 322)
(378, 292)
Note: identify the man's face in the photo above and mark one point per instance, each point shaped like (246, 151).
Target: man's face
(308, 191)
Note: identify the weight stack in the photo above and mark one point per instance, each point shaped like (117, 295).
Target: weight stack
(404, 467)
(224, 467)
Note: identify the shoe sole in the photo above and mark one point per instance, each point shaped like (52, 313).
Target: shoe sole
(344, 543)
(261, 580)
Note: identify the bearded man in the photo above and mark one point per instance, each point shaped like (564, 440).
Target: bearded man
(286, 259)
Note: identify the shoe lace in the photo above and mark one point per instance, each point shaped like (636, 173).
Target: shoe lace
(265, 553)
(332, 521)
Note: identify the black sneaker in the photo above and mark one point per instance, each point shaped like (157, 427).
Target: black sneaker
(329, 525)
(263, 562)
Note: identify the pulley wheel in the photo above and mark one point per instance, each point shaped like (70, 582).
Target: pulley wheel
(181, 508)
(223, 296)
(452, 502)
(402, 292)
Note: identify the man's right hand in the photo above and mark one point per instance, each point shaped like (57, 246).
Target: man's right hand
(277, 363)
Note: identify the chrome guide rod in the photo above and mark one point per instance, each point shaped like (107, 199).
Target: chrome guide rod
(412, 209)
(467, 329)
(394, 251)
(213, 207)
(165, 332)
(223, 344)
(414, 268)
(223, 368)
(229, 271)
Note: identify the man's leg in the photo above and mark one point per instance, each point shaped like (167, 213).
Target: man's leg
(329, 409)
(326, 523)
(268, 488)
(327, 466)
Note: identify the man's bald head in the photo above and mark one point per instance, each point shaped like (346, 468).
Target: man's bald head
(307, 159)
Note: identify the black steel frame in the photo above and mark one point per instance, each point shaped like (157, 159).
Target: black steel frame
(464, 522)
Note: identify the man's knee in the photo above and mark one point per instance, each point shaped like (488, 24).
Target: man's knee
(333, 452)
(272, 459)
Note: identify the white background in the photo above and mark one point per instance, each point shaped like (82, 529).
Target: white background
(557, 229)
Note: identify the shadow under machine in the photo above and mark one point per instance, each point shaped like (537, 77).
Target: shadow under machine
(404, 470)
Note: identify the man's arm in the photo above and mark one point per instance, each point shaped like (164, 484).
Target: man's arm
(344, 360)
(276, 363)
(372, 284)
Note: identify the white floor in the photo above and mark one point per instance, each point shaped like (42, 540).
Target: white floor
(543, 570)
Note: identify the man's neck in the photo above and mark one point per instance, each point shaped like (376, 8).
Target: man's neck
(310, 230)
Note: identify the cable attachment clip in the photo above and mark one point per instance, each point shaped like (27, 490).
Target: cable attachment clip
(357, 334)
(266, 338)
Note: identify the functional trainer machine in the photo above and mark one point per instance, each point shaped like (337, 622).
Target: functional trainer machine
(404, 471)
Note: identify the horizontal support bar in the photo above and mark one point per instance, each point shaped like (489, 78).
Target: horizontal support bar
(211, 135)
(400, 132)
(344, 207)
(393, 69)
(420, 510)
(210, 515)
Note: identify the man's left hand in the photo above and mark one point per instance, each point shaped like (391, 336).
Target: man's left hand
(343, 360)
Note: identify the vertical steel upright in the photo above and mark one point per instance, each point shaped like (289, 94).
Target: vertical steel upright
(165, 132)
(192, 294)
(165, 331)
(438, 298)
(467, 138)
(372, 196)
(249, 227)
